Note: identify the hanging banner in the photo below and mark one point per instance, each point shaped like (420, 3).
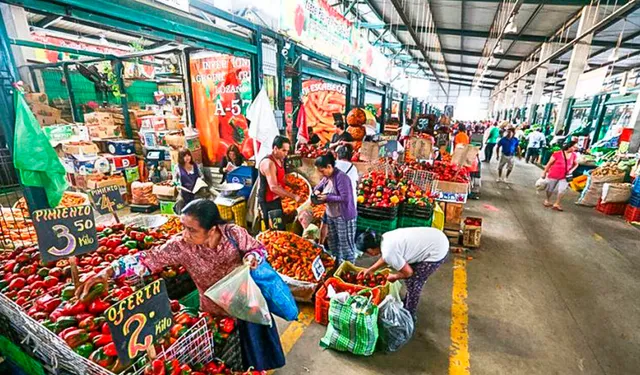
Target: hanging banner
(221, 91)
(318, 26)
(395, 109)
(321, 100)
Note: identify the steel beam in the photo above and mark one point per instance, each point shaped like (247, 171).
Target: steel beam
(400, 10)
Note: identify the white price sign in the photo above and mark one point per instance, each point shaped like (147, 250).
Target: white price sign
(318, 268)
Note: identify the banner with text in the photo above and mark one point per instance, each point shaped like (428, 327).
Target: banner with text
(321, 100)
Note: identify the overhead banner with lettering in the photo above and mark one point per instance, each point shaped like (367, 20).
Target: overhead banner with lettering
(321, 100)
(221, 90)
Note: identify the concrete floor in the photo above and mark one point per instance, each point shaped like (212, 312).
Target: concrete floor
(548, 293)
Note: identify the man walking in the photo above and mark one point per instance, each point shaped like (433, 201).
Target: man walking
(492, 134)
(536, 141)
(509, 145)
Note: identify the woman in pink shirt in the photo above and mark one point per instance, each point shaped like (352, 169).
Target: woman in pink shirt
(561, 165)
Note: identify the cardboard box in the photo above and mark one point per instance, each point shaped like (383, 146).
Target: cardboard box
(471, 236)
(172, 123)
(175, 140)
(154, 123)
(453, 187)
(36, 98)
(80, 149)
(49, 120)
(93, 183)
(58, 133)
(105, 131)
(45, 110)
(148, 139)
(197, 156)
(453, 215)
(120, 162)
(99, 118)
(121, 147)
(164, 191)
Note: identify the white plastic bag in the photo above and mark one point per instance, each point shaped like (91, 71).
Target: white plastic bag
(541, 184)
(395, 324)
(240, 297)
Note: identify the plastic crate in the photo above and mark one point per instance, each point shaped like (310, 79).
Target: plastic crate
(412, 210)
(384, 213)
(611, 208)
(347, 266)
(410, 222)
(322, 302)
(378, 225)
(632, 213)
(635, 200)
(166, 207)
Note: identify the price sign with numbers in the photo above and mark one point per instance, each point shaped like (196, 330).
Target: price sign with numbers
(318, 268)
(138, 320)
(65, 231)
(107, 199)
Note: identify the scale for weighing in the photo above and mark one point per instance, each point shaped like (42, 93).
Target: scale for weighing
(228, 196)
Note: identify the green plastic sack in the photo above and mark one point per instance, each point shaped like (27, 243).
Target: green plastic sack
(353, 325)
(34, 158)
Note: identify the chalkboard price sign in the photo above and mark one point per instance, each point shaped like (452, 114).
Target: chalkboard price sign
(138, 320)
(107, 199)
(65, 231)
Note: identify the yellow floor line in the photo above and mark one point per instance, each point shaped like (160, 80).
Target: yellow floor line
(459, 351)
(290, 336)
(597, 237)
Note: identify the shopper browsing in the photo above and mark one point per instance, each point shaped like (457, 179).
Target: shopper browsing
(536, 140)
(509, 145)
(209, 249)
(341, 137)
(560, 167)
(340, 216)
(415, 253)
(185, 176)
(491, 135)
(272, 180)
(462, 138)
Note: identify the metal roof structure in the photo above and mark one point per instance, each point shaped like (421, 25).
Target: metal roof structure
(452, 41)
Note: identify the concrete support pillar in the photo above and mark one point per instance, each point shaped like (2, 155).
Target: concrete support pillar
(15, 21)
(521, 86)
(634, 122)
(579, 57)
(540, 80)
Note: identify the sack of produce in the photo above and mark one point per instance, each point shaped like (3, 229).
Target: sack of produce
(142, 193)
(608, 172)
(353, 324)
(616, 192)
(395, 324)
(275, 291)
(595, 184)
(541, 184)
(241, 297)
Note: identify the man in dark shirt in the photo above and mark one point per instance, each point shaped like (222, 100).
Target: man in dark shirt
(509, 145)
(342, 137)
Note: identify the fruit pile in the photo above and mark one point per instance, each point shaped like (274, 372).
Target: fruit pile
(174, 367)
(319, 210)
(292, 255)
(377, 190)
(46, 293)
(310, 151)
(444, 171)
(295, 185)
(370, 281)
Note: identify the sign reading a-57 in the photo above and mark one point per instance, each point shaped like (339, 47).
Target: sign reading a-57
(65, 231)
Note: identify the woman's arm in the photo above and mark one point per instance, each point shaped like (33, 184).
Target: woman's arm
(404, 273)
(376, 266)
(548, 166)
(343, 186)
(246, 244)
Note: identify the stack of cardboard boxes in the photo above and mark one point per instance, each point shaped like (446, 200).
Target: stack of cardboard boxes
(45, 114)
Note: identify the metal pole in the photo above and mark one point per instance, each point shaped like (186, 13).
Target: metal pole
(118, 70)
(72, 98)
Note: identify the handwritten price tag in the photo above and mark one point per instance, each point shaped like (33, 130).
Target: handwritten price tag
(107, 199)
(65, 231)
(318, 268)
(138, 320)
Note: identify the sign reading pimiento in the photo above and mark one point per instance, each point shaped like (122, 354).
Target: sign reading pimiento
(138, 320)
(65, 232)
(107, 199)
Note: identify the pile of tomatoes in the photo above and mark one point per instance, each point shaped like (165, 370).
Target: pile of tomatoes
(370, 281)
(310, 151)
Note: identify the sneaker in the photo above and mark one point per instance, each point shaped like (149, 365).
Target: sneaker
(499, 179)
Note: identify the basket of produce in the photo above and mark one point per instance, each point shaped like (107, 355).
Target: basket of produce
(292, 257)
(298, 185)
(347, 272)
(16, 229)
(379, 196)
(338, 286)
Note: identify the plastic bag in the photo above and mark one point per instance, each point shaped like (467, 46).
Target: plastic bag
(274, 290)
(240, 297)
(395, 324)
(438, 217)
(541, 184)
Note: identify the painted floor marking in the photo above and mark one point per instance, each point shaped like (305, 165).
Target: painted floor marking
(459, 351)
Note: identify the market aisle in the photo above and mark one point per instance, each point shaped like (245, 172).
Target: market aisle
(548, 293)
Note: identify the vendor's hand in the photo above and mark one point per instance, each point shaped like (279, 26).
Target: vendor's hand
(393, 277)
(84, 288)
(251, 261)
(364, 273)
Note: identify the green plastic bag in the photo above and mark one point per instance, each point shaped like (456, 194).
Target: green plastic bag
(34, 158)
(353, 325)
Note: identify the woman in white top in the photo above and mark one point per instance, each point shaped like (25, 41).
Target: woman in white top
(415, 253)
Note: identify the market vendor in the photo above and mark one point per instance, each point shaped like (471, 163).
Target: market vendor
(232, 160)
(272, 179)
(415, 253)
(185, 176)
(342, 138)
(209, 249)
(340, 216)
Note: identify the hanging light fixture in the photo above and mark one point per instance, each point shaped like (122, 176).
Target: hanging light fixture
(498, 50)
(613, 57)
(511, 27)
(491, 62)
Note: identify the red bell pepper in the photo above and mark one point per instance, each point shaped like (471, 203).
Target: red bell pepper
(110, 349)
(76, 308)
(102, 340)
(98, 306)
(227, 325)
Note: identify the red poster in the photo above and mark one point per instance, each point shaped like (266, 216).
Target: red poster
(221, 90)
(321, 100)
